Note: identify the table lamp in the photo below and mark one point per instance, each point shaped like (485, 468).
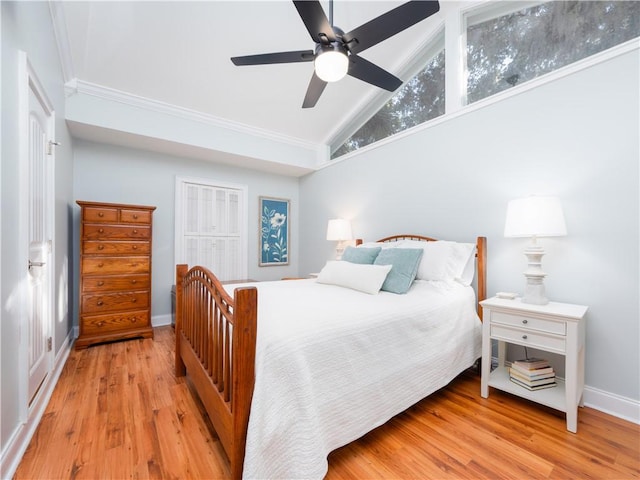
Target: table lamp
(339, 229)
(535, 217)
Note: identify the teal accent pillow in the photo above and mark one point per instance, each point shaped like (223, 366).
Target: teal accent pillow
(365, 256)
(405, 262)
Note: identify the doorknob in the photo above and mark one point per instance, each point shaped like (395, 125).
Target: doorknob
(35, 264)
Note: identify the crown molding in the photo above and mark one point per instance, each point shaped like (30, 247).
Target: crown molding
(76, 86)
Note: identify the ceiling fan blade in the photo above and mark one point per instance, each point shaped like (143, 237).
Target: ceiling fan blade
(280, 57)
(315, 89)
(389, 24)
(371, 73)
(315, 20)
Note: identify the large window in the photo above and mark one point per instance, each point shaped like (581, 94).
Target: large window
(421, 99)
(504, 52)
(507, 44)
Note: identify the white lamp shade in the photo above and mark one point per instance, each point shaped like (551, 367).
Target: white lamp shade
(535, 216)
(339, 229)
(331, 66)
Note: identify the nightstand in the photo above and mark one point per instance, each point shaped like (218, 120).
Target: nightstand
(555, 327)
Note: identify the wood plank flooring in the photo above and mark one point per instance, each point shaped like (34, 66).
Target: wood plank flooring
(118, 412)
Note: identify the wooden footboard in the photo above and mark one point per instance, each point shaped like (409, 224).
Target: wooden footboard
(215, 345)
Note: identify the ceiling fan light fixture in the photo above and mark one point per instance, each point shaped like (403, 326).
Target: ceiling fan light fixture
(331, 62)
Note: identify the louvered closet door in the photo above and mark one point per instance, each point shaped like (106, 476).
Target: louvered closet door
(212, 230)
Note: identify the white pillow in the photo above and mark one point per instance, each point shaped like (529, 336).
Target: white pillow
(443, 260)
(364, 278)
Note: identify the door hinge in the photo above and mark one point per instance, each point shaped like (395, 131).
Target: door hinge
(49, 344)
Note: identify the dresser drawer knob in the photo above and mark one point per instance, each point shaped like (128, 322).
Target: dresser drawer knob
(100, 283)
(99, 324)
(525, 321)
(100, 303)
(135, 216)
(134, 281)
(135, 247)
(101, 230)
(100, 247)
(135, 231)
(100, 265)
(134, 300)
(101, 214)
(524, 337)
(133, 319)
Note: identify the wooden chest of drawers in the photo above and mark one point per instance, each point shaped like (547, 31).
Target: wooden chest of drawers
(115, 272)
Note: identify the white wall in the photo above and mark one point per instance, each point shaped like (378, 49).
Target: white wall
(576, 137)
(107, 173)
(27, 26)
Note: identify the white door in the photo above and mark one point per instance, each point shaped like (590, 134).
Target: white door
(211, 227)
(40, 214)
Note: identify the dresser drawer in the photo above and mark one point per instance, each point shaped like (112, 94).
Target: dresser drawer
(100, 214)
(529, 338)
(112, 283)
(115, 265)
(95, 232)
(525, 322)
(102, 324)
(135, 216)
(102, 303)
(91, 247)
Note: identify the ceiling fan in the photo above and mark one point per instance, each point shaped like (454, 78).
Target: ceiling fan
(336, 52)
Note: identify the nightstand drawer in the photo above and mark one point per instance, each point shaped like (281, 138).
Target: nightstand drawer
(529, 323)
(528, 338)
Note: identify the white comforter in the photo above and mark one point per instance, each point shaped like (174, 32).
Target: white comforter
(333, 363)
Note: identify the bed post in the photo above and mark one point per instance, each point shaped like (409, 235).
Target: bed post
(244, 347)
(181, 271)
(482, 271)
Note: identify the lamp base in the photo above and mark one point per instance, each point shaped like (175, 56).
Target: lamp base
(534, 292)
(342, 244)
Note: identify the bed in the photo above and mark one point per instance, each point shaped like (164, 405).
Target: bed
(313, 365)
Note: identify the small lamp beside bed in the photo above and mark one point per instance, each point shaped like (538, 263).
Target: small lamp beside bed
(339, 229)
(535, 217)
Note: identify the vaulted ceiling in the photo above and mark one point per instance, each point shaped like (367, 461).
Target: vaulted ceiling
(178, 53)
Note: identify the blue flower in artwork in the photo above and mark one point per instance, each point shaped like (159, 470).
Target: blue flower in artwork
(274, 231)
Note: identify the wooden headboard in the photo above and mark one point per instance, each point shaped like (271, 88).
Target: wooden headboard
(481, 261)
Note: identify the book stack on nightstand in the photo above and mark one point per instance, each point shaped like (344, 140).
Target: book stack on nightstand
(532, 374)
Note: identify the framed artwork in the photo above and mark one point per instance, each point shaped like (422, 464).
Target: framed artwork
(274, 231)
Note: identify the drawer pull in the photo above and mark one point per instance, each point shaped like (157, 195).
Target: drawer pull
(100, 283)
(101, 230)
(524, 337)
(134, 300)
(100, 265)
(101, 214)
(135, 247)
(99, 324)
(525, 321)
(134, 281)
(100, 247)
(100, 303)
(135, 230)
(133, 319)
(135, 216)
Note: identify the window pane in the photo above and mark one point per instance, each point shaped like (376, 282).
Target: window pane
(512, 49)
(421, 99)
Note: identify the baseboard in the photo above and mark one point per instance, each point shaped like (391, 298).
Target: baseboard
(161, 320)
(19, 441)
(616, 405)
(607, 402)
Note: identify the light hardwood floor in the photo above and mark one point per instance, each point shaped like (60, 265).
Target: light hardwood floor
(118, 412)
